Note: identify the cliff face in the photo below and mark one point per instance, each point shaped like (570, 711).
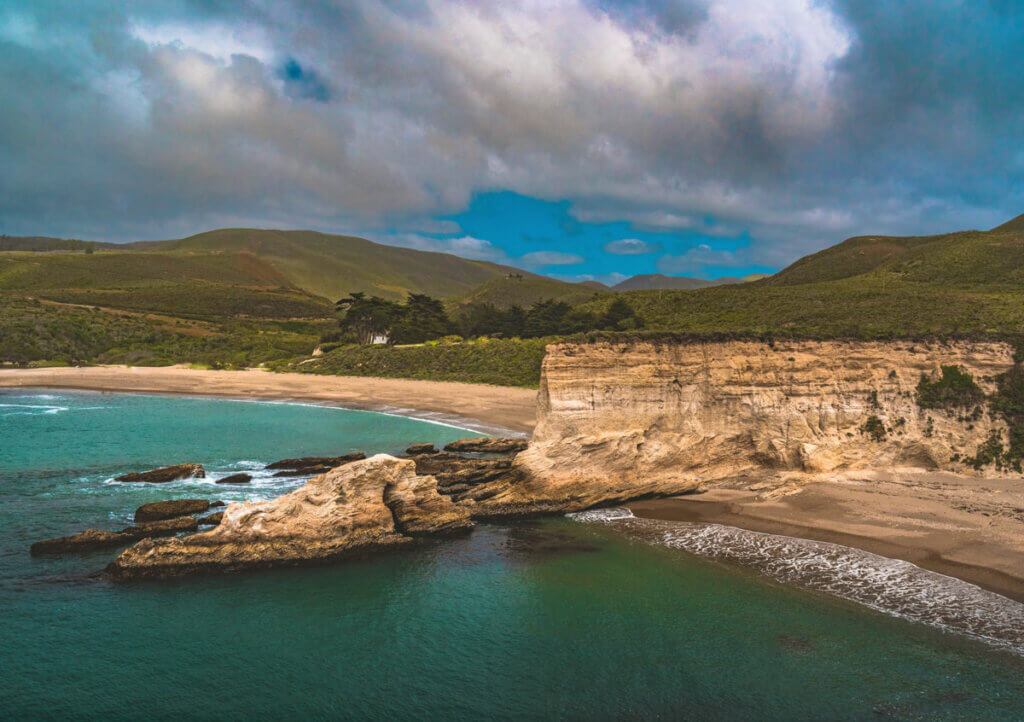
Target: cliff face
(623, 420)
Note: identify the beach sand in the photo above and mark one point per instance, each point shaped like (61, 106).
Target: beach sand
(966, 527)
(489, 409)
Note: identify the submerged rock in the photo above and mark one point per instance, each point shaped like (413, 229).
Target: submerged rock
(235, 479)
(312, 462)
(91, 539)
(304, 471)
(166, 474)
(372, 504)
(157, 510)
(488, 445)
(211, 519)
(421, 449)
(81, 542)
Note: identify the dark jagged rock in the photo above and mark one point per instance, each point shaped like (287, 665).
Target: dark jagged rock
(166, 474)
(154, 511)
(91, 539)
(307, 462)
(235, 479)
(82, 542)
(488, 445)
(211, 519)
(457, 474)
(417, 449)
(162, 527)
(305, 471)
(217, 503)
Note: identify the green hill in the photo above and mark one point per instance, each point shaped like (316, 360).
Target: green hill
(657, 281)
(333, 266)
(523, 289)
(964, 257)
(868, 286)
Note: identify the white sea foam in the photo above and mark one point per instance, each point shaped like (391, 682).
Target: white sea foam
(31, 409)
(891, 586)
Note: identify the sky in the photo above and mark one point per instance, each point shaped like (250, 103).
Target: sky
(584, 139)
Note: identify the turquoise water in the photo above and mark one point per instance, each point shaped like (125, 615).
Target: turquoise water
(560, 618)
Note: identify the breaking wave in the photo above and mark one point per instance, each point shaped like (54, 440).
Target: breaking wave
(891, 586)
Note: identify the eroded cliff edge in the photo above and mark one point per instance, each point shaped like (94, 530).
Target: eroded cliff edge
(619, 421)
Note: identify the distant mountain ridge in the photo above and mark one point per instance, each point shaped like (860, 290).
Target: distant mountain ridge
(656, 281)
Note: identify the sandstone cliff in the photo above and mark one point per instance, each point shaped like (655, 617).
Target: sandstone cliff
(618, 421)
(371, 504)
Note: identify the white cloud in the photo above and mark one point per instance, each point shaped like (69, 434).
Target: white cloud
(630, 247)
(551, 258)
(696, 258)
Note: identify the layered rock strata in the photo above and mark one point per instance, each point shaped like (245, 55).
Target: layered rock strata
(92, 539)
(371, 504)
(620, 421)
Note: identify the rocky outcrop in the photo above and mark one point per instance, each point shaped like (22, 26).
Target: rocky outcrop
(235, 479)
(456, 475)
(156, 510)
(619, 421)
(211, 519)
(376, 503)
(92, 539)
(305, 463)
(488, 445)
(421, 449)
(165, 474)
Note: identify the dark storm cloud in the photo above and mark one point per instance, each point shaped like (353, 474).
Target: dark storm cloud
(795, 122)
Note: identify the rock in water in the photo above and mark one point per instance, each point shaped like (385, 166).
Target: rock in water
(304, 471)
(417, 449)
(372, 504)
(154, 511)
(313, 462)
(212, 519)
(81, 542)
(489, 445)
(166, 474)
(235, 479)
(91, 539)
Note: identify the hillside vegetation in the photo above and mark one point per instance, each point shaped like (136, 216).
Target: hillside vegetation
(524, 290)
(245, 297)
(333, 266)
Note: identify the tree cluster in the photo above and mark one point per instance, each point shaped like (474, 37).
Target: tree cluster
(421, 318)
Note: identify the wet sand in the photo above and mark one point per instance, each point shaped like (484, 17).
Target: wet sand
(966, 527)
(489, 409)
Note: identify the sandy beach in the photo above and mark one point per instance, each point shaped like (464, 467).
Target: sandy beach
(967, 527)
(489, 409)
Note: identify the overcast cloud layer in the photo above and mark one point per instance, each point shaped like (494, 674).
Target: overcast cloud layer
(779, 125)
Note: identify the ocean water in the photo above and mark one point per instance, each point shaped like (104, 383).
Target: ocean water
(592, 617)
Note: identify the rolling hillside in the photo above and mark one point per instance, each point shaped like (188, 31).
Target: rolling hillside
(658, 281)
(333, 266)
(522, 289)
(969, 282)
(962, 258)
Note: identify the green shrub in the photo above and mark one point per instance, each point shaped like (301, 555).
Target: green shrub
(954, 389)
(874, 428)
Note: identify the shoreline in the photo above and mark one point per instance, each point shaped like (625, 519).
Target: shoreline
(493, 410)
(916, 522)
